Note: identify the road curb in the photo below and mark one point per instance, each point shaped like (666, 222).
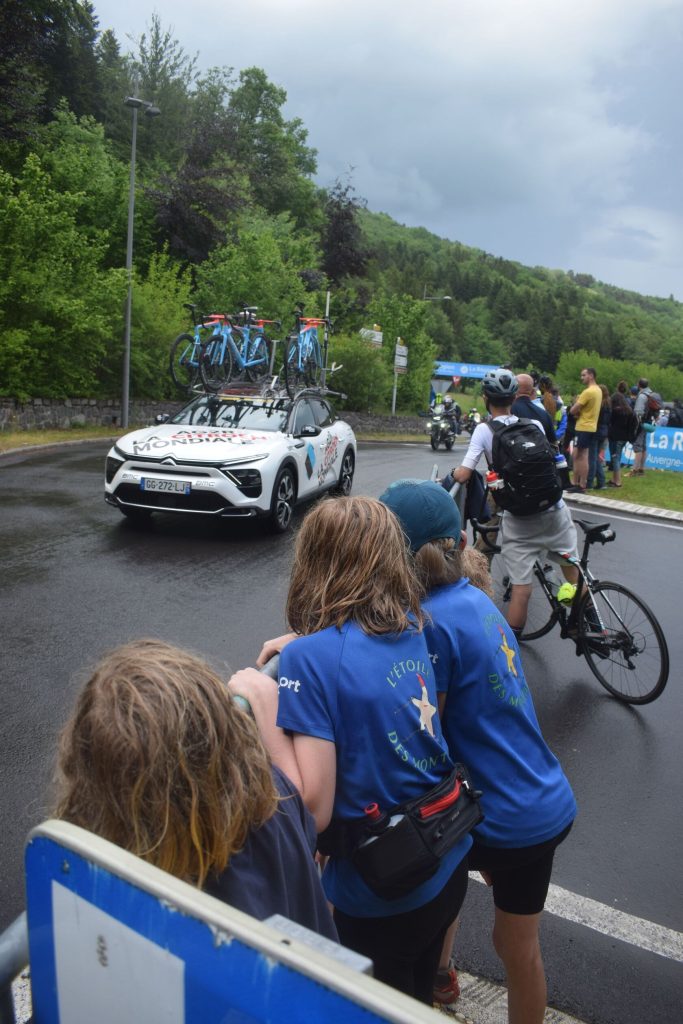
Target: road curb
(623, 506)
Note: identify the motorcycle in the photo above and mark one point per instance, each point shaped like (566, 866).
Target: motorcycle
(442, 429)
(472, 421)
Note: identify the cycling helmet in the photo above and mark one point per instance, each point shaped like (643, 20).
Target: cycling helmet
(499, 384)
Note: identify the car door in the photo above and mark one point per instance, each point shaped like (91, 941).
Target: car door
(312, 445)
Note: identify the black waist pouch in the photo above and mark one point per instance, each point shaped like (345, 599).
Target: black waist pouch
(407, 850)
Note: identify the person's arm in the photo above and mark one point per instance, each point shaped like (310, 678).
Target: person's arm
(272, 647)
(309, 762)
(475, 449)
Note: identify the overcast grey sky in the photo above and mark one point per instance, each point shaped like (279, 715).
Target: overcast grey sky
(545, 131)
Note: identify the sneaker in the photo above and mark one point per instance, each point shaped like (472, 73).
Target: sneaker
(446, 987)
(575, 489)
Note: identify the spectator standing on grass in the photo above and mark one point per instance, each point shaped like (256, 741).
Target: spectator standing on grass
(596, 478)
(526, 406)
(586, 409)
(640, 443)
(620, 431)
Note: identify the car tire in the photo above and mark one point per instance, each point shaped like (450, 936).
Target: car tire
(283, 501)
(346, 471)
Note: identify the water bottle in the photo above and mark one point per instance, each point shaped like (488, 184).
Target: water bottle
(376, 820)
(560, 461)
(493, 481)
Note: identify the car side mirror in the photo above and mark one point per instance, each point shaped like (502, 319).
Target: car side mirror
(309, 431)
(163, 417)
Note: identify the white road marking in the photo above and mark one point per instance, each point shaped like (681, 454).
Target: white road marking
(616, 924)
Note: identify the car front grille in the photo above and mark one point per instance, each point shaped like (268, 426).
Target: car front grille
(197, 501)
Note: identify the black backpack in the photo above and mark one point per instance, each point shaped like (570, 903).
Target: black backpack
(524, 460)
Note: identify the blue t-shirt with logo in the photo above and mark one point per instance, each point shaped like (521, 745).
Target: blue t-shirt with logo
(374, 697)
(489, 720)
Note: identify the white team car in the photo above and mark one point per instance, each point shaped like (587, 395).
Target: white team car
(233, 455)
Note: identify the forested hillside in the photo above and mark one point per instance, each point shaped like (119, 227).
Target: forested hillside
(227, 212)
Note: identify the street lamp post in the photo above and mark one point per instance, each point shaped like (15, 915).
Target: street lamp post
(151, 111)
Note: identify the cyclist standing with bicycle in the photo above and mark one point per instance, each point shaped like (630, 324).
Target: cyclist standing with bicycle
(528, 533)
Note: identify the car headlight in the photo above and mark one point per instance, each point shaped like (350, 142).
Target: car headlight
(111, 467)
(248, 481)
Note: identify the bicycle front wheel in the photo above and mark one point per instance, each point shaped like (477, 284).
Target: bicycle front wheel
(623, 643)
(184, 362)
(541, 616)
(215, 365)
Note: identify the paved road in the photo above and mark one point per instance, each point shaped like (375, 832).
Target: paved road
(77, 578)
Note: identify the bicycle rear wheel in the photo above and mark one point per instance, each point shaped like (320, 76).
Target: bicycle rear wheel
(294, 367)
(184, 362)
(541, 616)
(623, 643)
(216, 365)
(258, 358)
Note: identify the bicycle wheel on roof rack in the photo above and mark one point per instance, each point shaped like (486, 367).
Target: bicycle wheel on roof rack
(216, 366)
(294, 367)
(259, 359)
(184, 362)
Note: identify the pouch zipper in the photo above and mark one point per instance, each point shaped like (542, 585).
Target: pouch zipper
(443, 802)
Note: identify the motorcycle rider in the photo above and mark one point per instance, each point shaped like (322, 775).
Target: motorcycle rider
(452, 411)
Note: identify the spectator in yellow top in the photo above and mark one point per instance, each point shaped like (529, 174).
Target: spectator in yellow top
(586, 409)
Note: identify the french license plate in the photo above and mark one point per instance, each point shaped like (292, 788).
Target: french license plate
(172, 486)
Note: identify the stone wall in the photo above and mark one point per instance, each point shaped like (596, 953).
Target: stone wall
(53, 413)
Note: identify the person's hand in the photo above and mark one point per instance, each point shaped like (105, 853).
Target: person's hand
(256, 688)
(273, 647)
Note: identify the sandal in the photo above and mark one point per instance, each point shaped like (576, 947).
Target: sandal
(446, 987)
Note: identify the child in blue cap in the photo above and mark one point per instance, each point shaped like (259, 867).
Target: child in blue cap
(489, 722)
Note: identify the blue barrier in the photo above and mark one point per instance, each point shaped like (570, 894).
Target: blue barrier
(664, 450)
(113, 939)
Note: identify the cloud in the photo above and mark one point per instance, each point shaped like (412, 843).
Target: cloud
(524, 124)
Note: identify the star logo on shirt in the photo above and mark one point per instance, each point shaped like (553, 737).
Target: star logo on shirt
(508, 651)
(427, 710)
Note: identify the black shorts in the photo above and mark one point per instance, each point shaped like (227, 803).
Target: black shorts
(520, 875)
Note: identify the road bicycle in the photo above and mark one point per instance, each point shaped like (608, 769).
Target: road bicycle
(304, 361)
(187, 351)
(613, 628)
(236, 350)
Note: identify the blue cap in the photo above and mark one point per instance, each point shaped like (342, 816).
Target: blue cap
(425, 511)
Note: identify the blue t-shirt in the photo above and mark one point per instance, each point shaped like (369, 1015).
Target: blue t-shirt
(275, 872)
(489, 720)
(374, 697)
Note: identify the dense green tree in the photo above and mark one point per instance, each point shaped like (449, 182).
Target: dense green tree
(272, 151)
(344, 253)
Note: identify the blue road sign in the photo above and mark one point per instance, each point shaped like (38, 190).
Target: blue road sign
(113, 939)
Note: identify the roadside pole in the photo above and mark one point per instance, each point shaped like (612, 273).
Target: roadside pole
(400, 366)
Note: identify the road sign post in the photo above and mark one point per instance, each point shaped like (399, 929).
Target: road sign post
(400, 366)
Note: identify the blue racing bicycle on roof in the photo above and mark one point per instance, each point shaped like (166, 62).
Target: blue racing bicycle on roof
(305, 359)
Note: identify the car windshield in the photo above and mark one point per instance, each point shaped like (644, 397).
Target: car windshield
(235, 411)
